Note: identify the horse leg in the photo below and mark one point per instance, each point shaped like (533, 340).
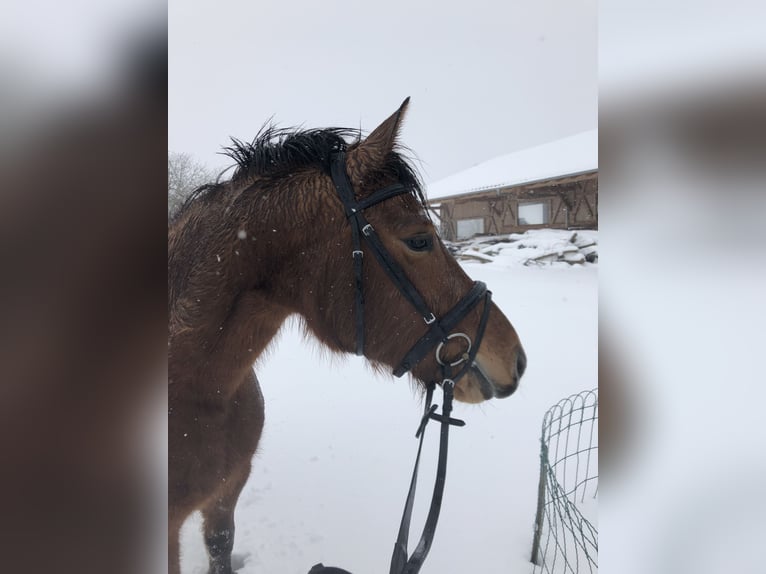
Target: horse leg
(245, 428)
(219, 526)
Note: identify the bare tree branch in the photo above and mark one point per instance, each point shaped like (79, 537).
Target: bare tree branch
(185, 174)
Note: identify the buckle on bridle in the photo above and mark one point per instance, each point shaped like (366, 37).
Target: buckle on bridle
(357, 252)
(367, 229)
(430, 319)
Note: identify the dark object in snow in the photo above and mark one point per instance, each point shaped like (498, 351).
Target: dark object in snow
(322, 569)
(233, 281)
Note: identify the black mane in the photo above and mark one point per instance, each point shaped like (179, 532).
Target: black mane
(275, 152)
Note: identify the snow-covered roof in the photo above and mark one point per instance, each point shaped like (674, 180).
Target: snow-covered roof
(567, 156)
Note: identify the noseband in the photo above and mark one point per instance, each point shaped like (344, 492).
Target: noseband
(439, 333)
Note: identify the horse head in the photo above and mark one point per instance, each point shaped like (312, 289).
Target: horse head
(391, 324)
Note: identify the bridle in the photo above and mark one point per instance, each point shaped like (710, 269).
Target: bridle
(438, 334)
(439, 329)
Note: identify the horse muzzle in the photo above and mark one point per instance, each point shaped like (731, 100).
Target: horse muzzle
(488, 385)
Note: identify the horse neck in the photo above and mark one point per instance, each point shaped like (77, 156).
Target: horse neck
(222, 261)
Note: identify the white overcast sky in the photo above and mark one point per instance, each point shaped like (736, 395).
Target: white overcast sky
(485, 77)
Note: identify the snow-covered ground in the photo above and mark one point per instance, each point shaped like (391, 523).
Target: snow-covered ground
(333, 468)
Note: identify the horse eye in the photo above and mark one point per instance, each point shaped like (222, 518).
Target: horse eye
(419, 243)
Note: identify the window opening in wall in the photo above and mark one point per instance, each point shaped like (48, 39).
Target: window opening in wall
(534, 213)
(469, 227)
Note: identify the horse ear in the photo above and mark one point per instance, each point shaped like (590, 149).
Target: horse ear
(370, 154)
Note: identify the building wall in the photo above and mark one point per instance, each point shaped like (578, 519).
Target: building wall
(569, 203)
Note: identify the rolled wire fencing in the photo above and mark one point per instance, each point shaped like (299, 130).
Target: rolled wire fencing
(566, 534)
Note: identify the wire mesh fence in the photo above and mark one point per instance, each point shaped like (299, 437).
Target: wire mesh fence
(566, 535)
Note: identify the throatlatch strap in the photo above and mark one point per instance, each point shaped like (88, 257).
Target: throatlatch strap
(346, 194)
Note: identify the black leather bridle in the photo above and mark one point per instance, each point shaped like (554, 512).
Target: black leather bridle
(439, 329)
(438, 334)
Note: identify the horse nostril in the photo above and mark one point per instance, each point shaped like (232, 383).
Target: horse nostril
(521, 362)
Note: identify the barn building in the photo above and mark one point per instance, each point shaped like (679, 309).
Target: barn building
(554, 185)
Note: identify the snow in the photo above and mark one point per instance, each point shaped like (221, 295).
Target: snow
(571, 155)
(332, 471)
(551, 247)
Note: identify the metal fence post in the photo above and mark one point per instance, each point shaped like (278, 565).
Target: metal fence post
(540, 503)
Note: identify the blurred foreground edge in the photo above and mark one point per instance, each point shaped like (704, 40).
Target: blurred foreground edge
(82, 301)
(681, 281)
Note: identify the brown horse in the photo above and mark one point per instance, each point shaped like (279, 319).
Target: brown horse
(274, 241)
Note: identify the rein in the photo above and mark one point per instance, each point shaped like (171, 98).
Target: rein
(438, 334)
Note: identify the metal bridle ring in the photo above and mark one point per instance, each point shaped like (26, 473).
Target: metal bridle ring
(462, 358)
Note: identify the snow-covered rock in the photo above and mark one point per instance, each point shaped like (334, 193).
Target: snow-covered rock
(534, 247)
